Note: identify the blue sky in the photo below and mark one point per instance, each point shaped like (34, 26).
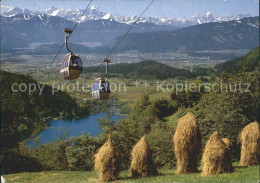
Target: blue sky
(174, 8)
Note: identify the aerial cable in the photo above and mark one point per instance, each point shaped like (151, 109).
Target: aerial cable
(130, 28)
(72, 31)
(113, 49)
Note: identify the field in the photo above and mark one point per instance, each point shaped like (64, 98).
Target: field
(240, 174)
(125, 90)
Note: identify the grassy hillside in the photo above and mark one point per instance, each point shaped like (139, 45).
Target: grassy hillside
(154, 114)
(248, 63)
(144, 70)
(240, 174)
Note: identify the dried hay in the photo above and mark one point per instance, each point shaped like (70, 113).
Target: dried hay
(216, 156)
(249, 139)
(227, 142)
(106, 162)
(187, 144)
(142, 163)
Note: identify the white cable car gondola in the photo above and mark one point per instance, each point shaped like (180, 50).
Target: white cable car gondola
(101, 87)
(71, 67)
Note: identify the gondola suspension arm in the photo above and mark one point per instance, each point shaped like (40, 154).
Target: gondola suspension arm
(68, 33)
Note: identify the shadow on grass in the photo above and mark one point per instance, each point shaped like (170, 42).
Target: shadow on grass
(239, 167)
(166, 174)
(138, 178)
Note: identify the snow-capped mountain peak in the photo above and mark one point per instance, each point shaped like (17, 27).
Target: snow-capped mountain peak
(14, 11)
(94, 8)
(107, 16)
(55, 13)
(50, 9)
(95, 14)
(208, 14)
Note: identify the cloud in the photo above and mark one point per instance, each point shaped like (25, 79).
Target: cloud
(6, 8)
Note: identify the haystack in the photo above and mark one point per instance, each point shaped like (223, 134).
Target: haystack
(227, 142)
(142, 163)
(106, 162)
(216, 157)
(249, 139)
(187, 144)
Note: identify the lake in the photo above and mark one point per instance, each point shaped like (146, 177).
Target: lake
(76, 127)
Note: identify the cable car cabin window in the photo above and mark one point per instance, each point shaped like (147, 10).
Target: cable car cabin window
(64, 64)
(108, 86)
(95, 86)
(77, 62)
(104, 87)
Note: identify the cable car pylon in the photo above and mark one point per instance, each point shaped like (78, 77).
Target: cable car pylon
(101, 87)
(107, 62)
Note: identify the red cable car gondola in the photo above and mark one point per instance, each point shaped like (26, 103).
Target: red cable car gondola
(71, 66)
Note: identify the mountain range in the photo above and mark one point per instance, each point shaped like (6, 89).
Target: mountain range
(94, 13)
(234, 35)
(22, 30)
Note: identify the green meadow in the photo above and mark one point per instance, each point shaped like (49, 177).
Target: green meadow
(240, 174)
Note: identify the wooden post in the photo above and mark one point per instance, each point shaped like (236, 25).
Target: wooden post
(107, 61)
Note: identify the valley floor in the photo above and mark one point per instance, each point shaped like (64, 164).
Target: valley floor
(240, 174)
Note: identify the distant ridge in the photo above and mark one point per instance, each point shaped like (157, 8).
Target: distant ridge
(144, 70)
(235, 34)
(247, 63)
